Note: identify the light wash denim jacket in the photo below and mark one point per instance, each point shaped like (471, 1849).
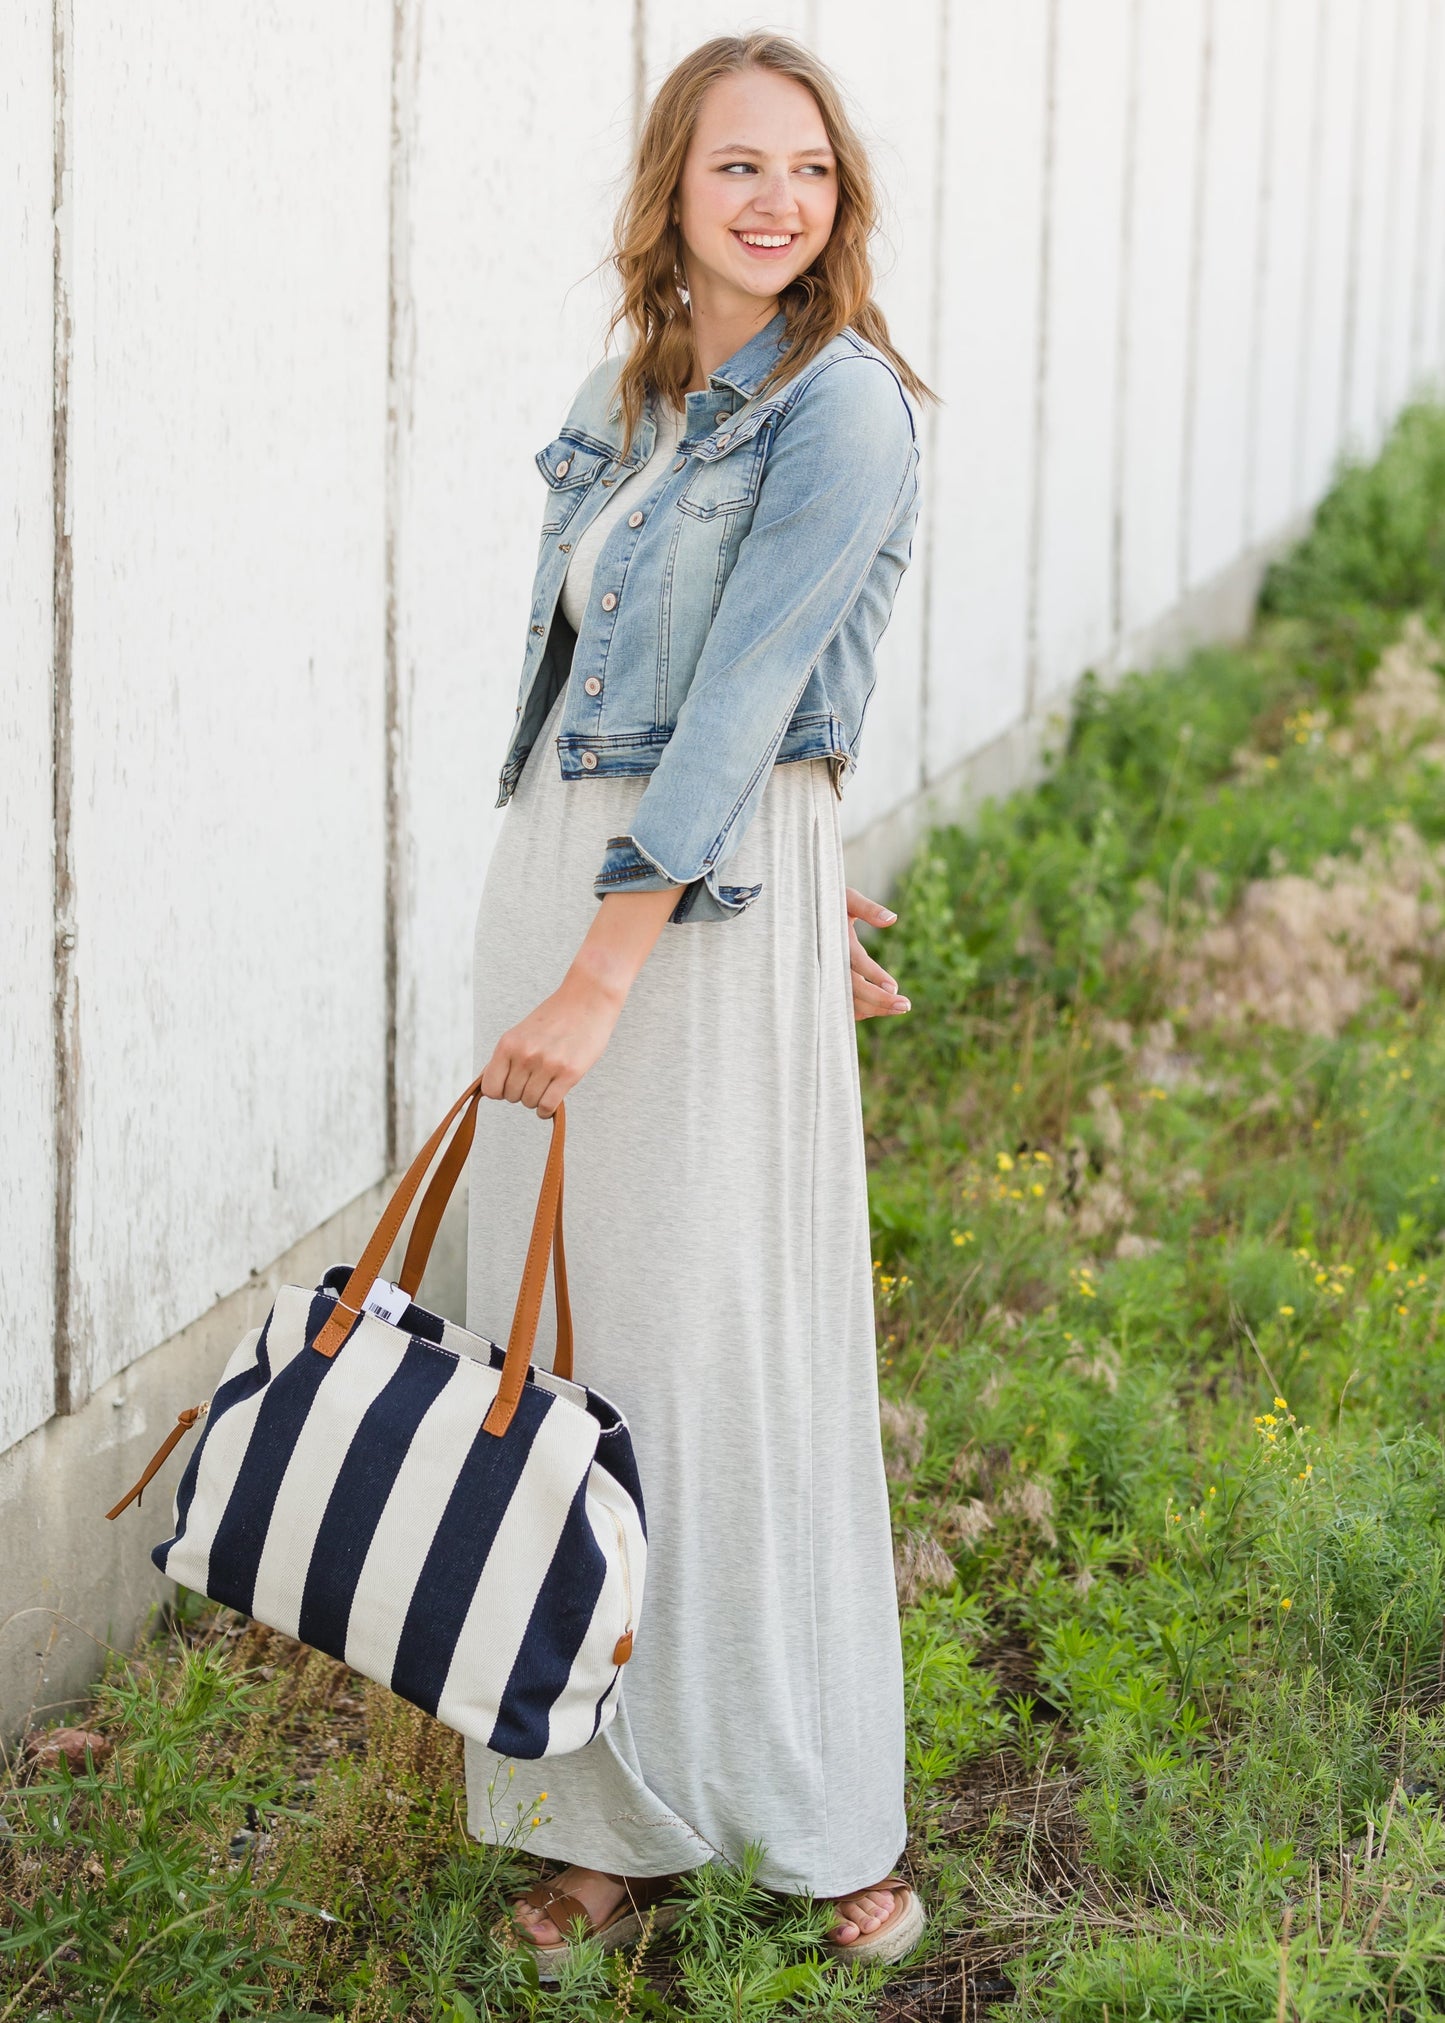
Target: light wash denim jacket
(733, 625)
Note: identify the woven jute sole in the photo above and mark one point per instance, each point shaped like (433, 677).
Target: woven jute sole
(897, 1935)
(625, 1929)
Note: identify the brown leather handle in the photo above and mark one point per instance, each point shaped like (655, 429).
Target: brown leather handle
(546, 1223)
(546, 1230)
(428, 1221)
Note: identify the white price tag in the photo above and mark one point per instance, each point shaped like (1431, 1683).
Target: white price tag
(387, 1301)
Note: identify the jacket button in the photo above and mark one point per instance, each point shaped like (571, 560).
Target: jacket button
(634, 519)
(723, 441)
(539, 628)
(565, 546)
(564, 467)
(679, 464)
(589, 759)
(720, 418)
(609, 602)
(592, 685)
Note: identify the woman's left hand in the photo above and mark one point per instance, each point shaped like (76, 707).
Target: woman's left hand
(875, 993)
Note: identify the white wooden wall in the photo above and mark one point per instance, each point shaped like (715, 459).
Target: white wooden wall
(290, 297)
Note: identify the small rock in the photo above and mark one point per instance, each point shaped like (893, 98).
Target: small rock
(1132, 1245)
(71, 1743)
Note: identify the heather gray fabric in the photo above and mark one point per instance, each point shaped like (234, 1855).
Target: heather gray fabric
(717, 1244)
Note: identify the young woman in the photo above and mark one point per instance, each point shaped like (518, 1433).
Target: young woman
(728, 514)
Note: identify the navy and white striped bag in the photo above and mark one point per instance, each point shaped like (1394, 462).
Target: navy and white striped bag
(407, 1497)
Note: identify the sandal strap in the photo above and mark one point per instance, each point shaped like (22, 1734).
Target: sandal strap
(640, 1893)
(564, 1909)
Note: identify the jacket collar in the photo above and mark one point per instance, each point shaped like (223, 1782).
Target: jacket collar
(749, 366)
(743, 373)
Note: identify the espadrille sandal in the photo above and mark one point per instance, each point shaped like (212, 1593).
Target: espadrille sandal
(899, 1932)
(642, 1903)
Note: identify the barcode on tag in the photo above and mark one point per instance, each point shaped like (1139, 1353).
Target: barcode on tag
(387, 1301)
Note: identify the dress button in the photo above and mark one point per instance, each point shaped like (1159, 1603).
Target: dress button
(564, 467)
(589, 759)
(634, 519)
(592, 685)
(609, 602)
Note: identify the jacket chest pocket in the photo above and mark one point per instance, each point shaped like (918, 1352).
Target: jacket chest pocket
(570, 468)
(729, 469)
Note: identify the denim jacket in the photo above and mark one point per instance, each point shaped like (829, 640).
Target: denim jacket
(734, 624)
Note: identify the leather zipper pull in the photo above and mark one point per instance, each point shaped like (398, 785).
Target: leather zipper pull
(184, 1422)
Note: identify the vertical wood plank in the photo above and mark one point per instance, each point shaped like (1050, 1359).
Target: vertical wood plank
(1072, 592)
(1285, 237)
(1156, 307)
(979, 496)
(27, 1085)
(227, 432)
(1218, 450)
(1327, 290)
(1427, 316)
(1361, 418)
(1402, 210)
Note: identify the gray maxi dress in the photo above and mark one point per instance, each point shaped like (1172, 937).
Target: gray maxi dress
(718, 1261)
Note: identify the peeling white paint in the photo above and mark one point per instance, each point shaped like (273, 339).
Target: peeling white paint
(227, 421)
(27, 1045)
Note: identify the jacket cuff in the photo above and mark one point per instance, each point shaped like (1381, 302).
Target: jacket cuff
(626, 867)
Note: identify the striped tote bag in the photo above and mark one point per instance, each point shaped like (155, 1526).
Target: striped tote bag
(416, 1501)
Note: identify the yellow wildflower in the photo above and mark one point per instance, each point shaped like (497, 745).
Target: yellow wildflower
(1005, 1163)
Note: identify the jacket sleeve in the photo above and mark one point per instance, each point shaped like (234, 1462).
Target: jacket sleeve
(839, 475)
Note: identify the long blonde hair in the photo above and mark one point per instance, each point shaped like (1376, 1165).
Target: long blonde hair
(834, 293)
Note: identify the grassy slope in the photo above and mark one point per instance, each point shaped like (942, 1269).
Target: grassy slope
(1175, 1661)
(1166, 1374)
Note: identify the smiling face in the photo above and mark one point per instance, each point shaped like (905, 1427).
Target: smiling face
(758, 190)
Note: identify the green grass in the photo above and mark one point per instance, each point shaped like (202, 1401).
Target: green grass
(1159, 1293)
